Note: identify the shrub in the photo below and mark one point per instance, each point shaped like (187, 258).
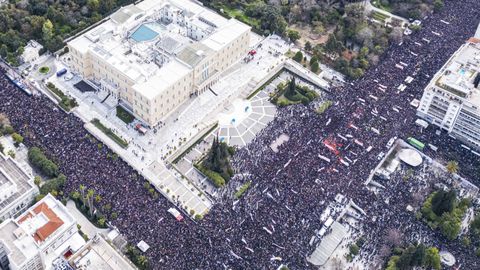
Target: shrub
(298, 57)
(17, 138)
(315, 67)
(216, 178)
(8, 129)
(354, 249)
(242, 190)
(11, 153)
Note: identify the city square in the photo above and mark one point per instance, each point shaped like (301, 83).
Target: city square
(320, 179)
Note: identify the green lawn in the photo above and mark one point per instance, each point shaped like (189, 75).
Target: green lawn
(44, 70)
(379, 16)
(324, 106)
(124, 115)
(240, 15)
(109, 133)
(239, 193)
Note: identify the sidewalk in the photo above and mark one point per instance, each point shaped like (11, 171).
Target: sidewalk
(87, 227)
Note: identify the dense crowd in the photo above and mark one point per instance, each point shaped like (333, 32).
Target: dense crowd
(275, 220)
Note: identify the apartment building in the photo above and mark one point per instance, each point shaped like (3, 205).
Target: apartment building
(17, 190)
(40, 235)
(451, 100)
(154, 55)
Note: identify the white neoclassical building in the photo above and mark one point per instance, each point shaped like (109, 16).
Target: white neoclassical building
(155, 54)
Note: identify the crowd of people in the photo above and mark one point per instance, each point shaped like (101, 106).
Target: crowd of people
(275, 220)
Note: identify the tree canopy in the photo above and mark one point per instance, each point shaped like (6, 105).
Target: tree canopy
(443, 202)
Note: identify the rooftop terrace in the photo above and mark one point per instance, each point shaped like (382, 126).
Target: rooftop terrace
(458, 75)
(12, 175)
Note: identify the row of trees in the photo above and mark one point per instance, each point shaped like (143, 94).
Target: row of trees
(414, 256)
(38, 159)
(313, 63)
(86, 201)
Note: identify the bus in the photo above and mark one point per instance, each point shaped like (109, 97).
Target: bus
(61, 72)
(416, 143)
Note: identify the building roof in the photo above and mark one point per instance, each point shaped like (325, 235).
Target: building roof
(410, 156)
(34, 230)
(12, 175)
(328, 245)
(53, 221)
(194, 54)
(457, 76)
(225, 35)
(99, 254)
(44, 219)
(165, 77)
(125, 13)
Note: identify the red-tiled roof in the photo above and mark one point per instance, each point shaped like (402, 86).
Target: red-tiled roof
(474, 40)
(54, 222)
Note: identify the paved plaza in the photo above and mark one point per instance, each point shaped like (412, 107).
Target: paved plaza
(239, 125)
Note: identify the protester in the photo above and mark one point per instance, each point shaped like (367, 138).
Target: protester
(281, 211)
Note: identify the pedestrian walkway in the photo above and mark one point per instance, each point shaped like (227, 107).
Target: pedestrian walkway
(86, 226)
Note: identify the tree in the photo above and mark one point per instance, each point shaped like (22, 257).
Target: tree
(90, 194)
(452, 166)
(331, 45)
(106, 6)
(291, 88)
(364, 36)
(394, 237)
(396, 35)
(293, 35)
(40, 161)
(93, 5)
(4, 121)
(475, 225)
(143, 261)
(101, 221)
(75, 195)
(11, 153)
(315, 67)
(37, 180)
(450, 225)
(298, 57)
(47, 30)
(354, 249)
(3, 50)
(308, 46)
(438, 4)
(432, 258)
(17, 138)
(82, 192)
(443, 202)
(98, 198)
